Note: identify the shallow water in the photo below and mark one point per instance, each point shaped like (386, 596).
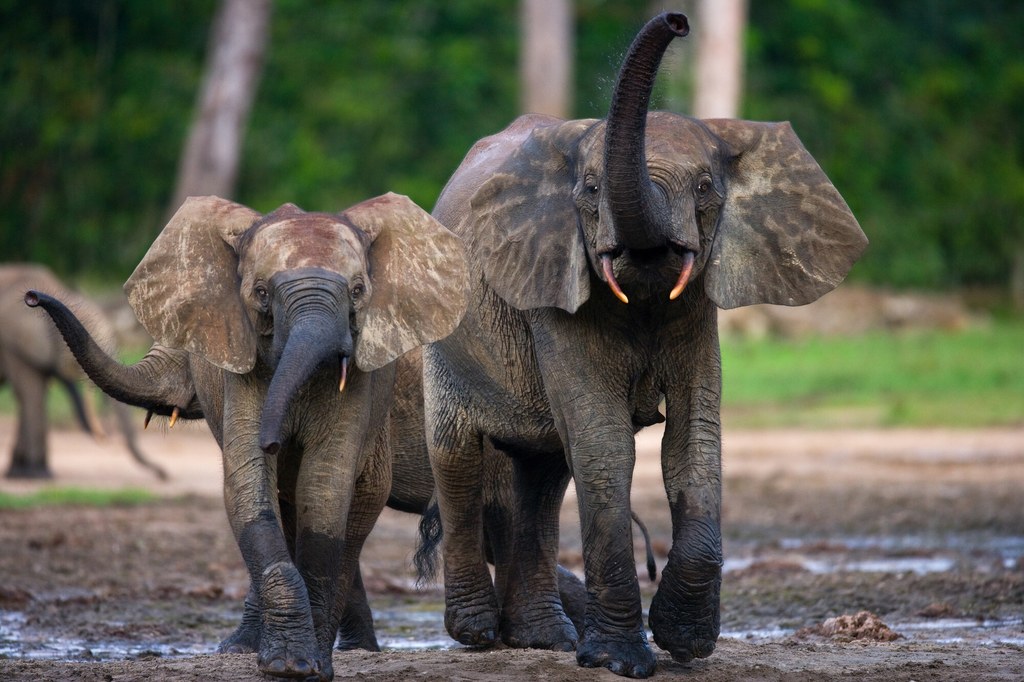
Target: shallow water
(410, 622)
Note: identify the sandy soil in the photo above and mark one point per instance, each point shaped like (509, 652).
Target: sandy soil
(922, 530)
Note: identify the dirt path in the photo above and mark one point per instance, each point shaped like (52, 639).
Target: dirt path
(923, 529)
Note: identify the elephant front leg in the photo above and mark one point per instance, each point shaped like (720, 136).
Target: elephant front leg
(286, 641)
(685, 612)
(613, 634)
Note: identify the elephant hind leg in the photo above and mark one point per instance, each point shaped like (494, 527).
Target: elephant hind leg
(471, 606)
(522, 527)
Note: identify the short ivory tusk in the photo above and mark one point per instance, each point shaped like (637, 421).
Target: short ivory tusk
(606, 267)
(174, 418)
(684, 276)
(149, 415)
(344, 374)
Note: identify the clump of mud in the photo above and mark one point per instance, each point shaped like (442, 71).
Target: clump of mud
(846, 628)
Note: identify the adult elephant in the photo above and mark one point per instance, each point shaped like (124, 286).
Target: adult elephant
(32, 354)
(601, 249)
(256, 319)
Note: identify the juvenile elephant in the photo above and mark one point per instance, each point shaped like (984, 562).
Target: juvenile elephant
(32, 353)
(600, 250)
(269, 311)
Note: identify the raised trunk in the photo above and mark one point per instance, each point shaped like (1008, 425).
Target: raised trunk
(160, 382)
(640, 212)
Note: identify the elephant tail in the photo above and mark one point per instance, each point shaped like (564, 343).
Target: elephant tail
(425, 559)
(652, 567)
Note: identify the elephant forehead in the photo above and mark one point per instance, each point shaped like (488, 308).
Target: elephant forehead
(307, 241)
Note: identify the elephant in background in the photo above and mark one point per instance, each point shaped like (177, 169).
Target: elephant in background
(601, 250)
(282, 331)
(32, 353)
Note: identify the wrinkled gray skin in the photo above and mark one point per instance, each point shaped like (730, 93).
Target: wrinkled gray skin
(552, 368)
(32, 353)
(254, 317)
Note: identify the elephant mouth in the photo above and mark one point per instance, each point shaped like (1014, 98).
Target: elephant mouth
(651, 264)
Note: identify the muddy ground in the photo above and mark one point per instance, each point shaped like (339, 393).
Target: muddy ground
(919, 532)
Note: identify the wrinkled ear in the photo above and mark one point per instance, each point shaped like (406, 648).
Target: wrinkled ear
(785, 235)
(419, 279)
(185, 291)
(527, 236)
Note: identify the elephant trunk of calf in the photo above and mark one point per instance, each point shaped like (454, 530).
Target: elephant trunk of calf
(315, 339)
(639, 209)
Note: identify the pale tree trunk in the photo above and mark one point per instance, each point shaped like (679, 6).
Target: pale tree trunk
(238, 42)
(545, 61)
(719, 69)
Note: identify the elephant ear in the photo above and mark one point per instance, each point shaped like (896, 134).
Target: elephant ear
(419, 279)
(785, 235)
(185, 291)
(526, 234)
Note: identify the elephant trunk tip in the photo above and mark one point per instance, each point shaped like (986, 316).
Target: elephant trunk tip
(677, 23)
(32, 298)
(271, 448)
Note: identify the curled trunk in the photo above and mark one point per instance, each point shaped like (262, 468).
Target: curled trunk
(160, 382)
(639, 210)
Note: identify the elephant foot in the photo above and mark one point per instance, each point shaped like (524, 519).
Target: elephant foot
(351, 638)
(29, 472)
(471, 608)
(626, 655)
(475, 624)
(243, 640)
(685, 613)
(288, 645)
(536, 628)
(246, 637)
(686, 639)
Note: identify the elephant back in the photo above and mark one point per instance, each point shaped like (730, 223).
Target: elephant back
(30, 335)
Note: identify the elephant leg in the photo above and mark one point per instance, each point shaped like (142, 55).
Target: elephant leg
(471, 606)
(371, 493)
(356, 629)
(246, 637)
(685, 612)
(124, 423)
(29, 457)
(531, 609)
(287, 644)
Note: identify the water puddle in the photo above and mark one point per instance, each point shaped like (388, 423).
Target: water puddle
(918, 554)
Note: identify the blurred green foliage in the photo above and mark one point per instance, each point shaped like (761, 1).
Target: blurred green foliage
(913, 108)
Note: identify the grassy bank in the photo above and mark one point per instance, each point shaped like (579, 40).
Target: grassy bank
(973, 377)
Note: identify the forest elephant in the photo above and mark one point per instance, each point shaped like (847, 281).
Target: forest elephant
(599, 251)
(282, 331)
(32, 353)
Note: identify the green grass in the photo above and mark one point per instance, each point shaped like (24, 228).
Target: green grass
(968, 378)
(75, 496)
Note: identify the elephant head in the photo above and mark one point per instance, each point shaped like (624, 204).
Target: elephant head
(649, 202)
(290, 293)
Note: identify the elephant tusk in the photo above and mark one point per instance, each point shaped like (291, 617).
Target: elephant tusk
(684, 276)
(344, 374)
(149, 415)
(606, 267)
(174, 418)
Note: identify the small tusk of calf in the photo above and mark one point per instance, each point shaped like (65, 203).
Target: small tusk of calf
(606, 267)
(684, 276)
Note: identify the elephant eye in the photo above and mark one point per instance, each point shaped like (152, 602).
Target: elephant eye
(592, 188)
(704, 185)
(262, 295)
(358, 290)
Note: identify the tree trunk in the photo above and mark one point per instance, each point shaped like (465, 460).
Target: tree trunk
(545, 62)
(719, 67)
(238, 42)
